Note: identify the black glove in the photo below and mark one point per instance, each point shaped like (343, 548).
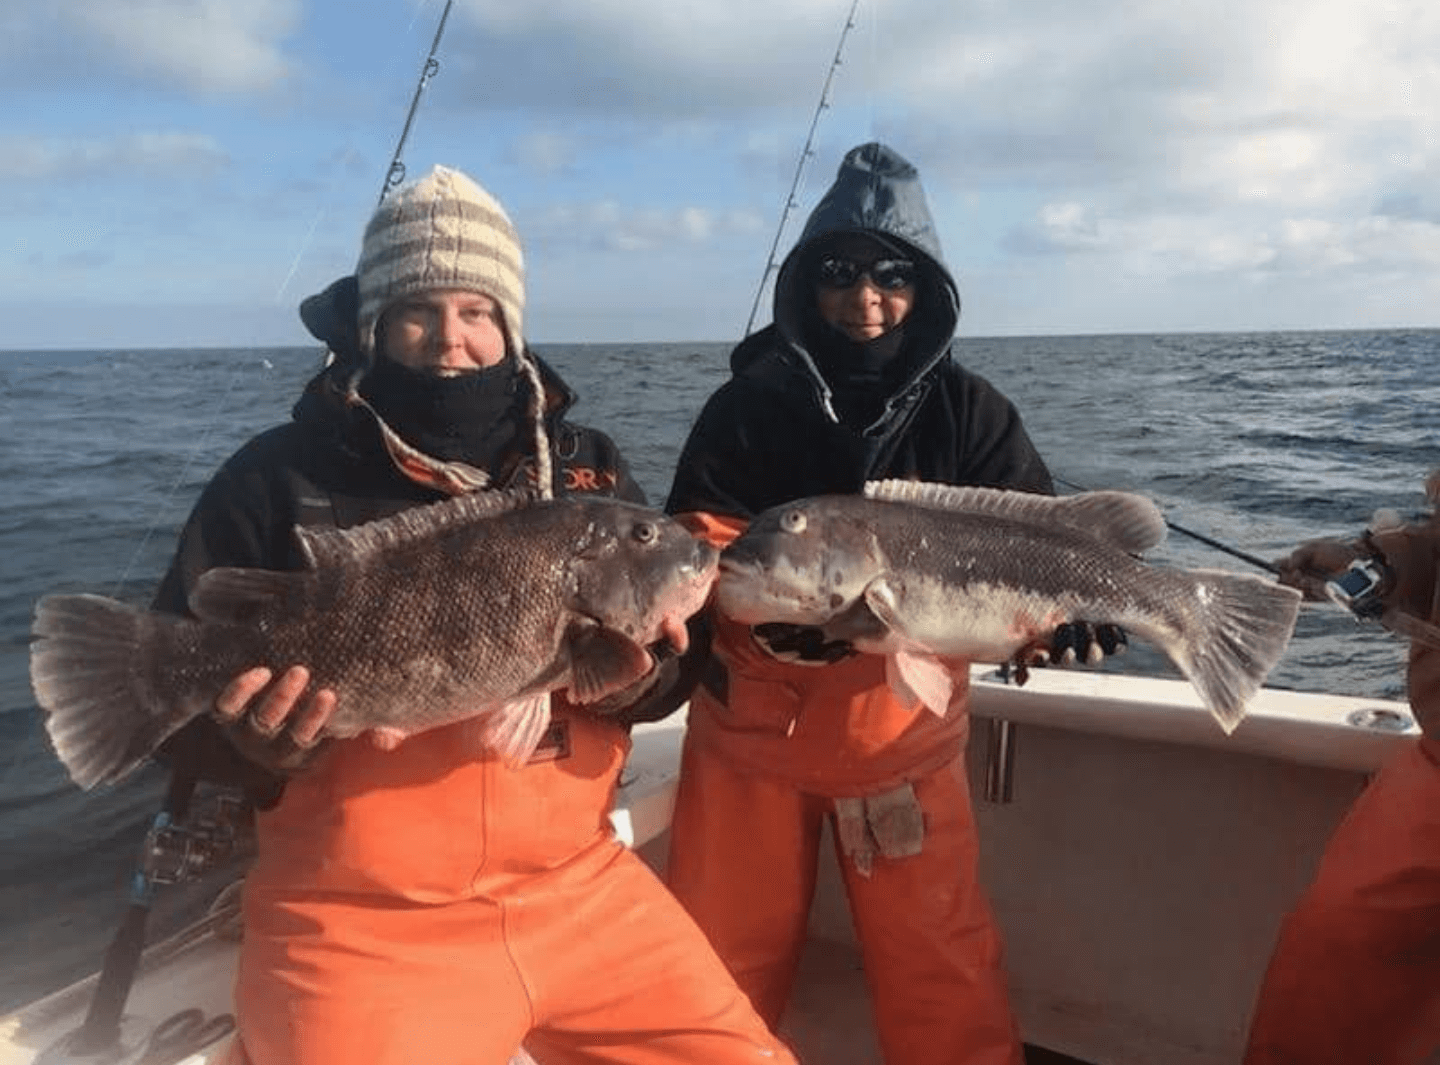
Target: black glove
(1086, 642)
(799, 644)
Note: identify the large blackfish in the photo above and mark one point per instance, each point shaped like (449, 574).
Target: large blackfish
(929, 574)
(475, 607)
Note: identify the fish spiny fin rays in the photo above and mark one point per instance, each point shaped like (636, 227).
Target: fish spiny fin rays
(327, 547)
(1124, 520)
(231, 596)
(87, 668)
(516, 729)
(924, 679)
(1240, 625)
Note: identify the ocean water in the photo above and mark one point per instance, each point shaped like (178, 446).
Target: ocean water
(1257, 440)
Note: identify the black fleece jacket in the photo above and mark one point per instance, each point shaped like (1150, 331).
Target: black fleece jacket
(329, 467)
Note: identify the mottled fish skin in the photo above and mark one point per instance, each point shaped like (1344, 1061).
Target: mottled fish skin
(926, 573)
(478, 606)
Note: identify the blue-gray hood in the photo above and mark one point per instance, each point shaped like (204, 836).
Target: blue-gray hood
(876, 192)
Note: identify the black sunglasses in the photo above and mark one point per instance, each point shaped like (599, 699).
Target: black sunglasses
(888, 275)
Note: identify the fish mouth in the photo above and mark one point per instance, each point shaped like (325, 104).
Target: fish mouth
(698, 582)
(734, 567)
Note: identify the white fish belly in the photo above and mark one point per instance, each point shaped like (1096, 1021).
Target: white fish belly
(983, 621)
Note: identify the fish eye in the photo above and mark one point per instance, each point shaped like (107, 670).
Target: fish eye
(645, 532)
(793, 521)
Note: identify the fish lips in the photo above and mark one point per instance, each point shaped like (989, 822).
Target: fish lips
(750, 591)
(686, 590)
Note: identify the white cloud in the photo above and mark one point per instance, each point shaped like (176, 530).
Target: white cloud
(546, 153)
(607, 225)
(54, 159)
(208, 45)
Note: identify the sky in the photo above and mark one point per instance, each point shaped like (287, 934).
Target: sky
(180, 173)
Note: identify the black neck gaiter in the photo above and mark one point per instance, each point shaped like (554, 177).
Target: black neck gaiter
(860, 373)
(470, 417)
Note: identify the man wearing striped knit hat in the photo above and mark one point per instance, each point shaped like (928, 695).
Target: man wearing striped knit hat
(414, 898)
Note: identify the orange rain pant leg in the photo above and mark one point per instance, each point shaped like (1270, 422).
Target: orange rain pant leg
(933, 952)
(1355, 976)
(621, 975)
(743, 853)
(593, 963)
(931, 947)
(330, 979)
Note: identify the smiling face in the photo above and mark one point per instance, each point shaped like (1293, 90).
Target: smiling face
(869, 306)
(447, 332)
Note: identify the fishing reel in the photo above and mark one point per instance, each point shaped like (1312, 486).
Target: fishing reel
(174, 852)
(1362, 587)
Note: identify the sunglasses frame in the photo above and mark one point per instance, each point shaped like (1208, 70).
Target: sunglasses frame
(888, 275)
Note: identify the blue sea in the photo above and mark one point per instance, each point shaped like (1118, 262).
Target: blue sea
(1257, 440)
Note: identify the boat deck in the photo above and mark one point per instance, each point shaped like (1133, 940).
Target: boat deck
(828, 1022)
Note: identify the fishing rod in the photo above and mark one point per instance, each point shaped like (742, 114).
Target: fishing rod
(396, 172)
(805, 153)
(1243, 556)
(173, 850)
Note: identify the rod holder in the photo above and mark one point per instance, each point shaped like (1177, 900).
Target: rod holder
(999, 760)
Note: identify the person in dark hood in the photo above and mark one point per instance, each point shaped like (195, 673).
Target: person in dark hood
(855, 380)
(415, 897)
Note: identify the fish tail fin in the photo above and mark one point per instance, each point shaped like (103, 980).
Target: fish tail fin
(86, 669)
(1244, 625)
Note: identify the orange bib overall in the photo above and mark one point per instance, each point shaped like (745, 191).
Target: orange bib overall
(429, 904)
(765, 761)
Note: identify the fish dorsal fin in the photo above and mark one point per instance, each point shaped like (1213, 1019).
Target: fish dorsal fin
(322, 547)
(1125, 520)
(232, 596)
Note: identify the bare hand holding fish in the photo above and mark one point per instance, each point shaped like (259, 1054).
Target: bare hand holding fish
(475, 607)
(934, 576)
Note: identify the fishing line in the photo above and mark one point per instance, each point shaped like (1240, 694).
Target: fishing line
(395, 174)
(100, 1030)
(806, 152)
(1243, 556)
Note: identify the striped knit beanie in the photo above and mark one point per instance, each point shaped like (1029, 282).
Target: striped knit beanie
(441, 232)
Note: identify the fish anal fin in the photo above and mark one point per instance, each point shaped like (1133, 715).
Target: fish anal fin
(919, 678)
(602, 662)
(516, 729)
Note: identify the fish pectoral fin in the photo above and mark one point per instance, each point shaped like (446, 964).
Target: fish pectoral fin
(603, 661)
(924, 679)
(516, 729)
(881, 605)
(229, 595)
(857, 624)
